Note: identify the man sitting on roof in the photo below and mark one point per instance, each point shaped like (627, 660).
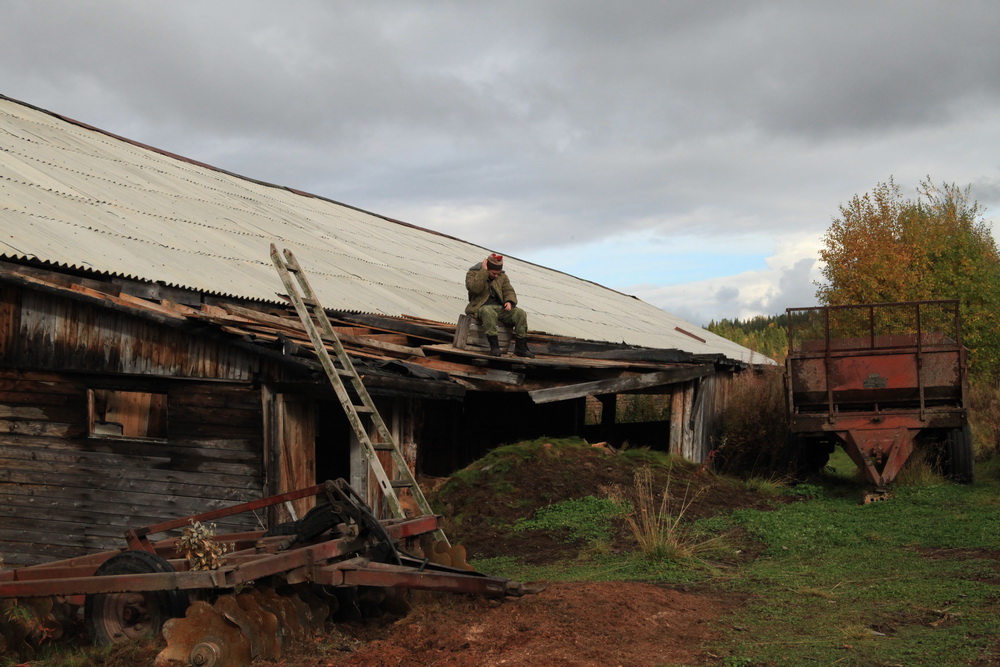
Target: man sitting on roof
(492, 299)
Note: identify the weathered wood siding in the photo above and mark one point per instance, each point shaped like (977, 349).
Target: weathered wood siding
(65, 491)
(695, 415)
(45, 332)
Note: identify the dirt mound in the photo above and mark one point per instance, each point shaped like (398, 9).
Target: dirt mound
(483, 502)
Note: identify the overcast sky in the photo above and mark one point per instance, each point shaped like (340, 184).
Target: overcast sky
(690, 153)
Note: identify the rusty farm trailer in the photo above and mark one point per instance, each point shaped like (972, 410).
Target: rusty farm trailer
(879, 380)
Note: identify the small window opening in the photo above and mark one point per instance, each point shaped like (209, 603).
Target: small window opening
(127, 414)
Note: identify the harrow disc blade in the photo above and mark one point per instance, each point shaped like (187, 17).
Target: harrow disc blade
(450, 556)
(264, 624)
(204, 637)
(289, 628)
(319, 609)
(250, 624)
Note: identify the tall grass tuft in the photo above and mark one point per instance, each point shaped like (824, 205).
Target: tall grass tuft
(656, 522)
(918, 471)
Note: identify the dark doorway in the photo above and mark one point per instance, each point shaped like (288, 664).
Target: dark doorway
(333, 442)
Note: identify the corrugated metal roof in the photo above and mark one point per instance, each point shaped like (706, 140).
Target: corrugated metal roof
(78, 197)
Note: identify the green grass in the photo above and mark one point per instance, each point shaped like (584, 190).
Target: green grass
(914, 580)
(501, 460)
(589, 519)
(910, 581)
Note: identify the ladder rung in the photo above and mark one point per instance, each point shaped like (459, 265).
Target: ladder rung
(401, 484)
(343, 372)
(363, 408)
(309, 301)
(383, 446)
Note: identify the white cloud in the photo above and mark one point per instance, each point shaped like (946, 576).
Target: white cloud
(787, 281)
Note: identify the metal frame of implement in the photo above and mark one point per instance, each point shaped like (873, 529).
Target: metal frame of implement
(340, 561)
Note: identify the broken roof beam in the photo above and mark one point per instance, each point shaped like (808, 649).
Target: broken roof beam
(670, 356)
(619, 385)
(416, 328)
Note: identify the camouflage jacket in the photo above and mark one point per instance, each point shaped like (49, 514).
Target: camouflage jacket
(478, 282)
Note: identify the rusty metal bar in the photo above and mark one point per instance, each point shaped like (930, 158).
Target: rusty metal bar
(871, 327)
(226, 511)
(118, 583)
(827, 367)
(887, 303)
(77, 564)
(920, 366)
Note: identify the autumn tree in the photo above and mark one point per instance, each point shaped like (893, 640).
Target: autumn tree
(886, 248)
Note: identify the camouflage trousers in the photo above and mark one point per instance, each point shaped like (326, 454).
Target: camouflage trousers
(515, 317)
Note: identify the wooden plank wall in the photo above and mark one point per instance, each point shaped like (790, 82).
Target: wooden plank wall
(294, 447)
(64, 493)
(47, 332)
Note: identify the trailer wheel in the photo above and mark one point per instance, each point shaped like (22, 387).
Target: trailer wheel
(117, 617)
(960, 455)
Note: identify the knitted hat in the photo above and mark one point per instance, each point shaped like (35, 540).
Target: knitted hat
(494, 262)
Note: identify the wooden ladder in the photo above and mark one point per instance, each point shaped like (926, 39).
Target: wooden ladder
(357, 404)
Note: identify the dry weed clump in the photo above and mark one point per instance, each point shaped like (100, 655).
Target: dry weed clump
(754, 429)
(198, 543)
(656, 522)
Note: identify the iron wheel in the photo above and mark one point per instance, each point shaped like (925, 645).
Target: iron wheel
(118, 617)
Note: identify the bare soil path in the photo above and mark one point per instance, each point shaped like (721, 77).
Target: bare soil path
(573, 624)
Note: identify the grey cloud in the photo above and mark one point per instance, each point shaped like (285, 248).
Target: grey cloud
(795, 286)
(563, 119)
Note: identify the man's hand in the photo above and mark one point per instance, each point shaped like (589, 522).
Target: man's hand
(507, 305)
(484, 262)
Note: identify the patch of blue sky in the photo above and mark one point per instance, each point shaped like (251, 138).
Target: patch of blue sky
(638, 260)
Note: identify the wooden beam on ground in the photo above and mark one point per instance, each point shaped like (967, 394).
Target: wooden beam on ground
(618, 385)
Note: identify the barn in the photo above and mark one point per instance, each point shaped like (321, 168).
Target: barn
(151, 365)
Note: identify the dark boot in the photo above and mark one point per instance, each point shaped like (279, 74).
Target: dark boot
(494, 346)
(521, 349)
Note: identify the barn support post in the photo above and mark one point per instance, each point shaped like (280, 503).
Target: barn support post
(272, 460)
(689, 448)
(676, 418)
(683, 434)
(609, 414)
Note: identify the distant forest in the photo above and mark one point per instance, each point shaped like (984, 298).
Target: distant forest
(765, 335)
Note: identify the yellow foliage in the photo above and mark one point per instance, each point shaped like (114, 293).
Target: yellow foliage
(885, 248)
